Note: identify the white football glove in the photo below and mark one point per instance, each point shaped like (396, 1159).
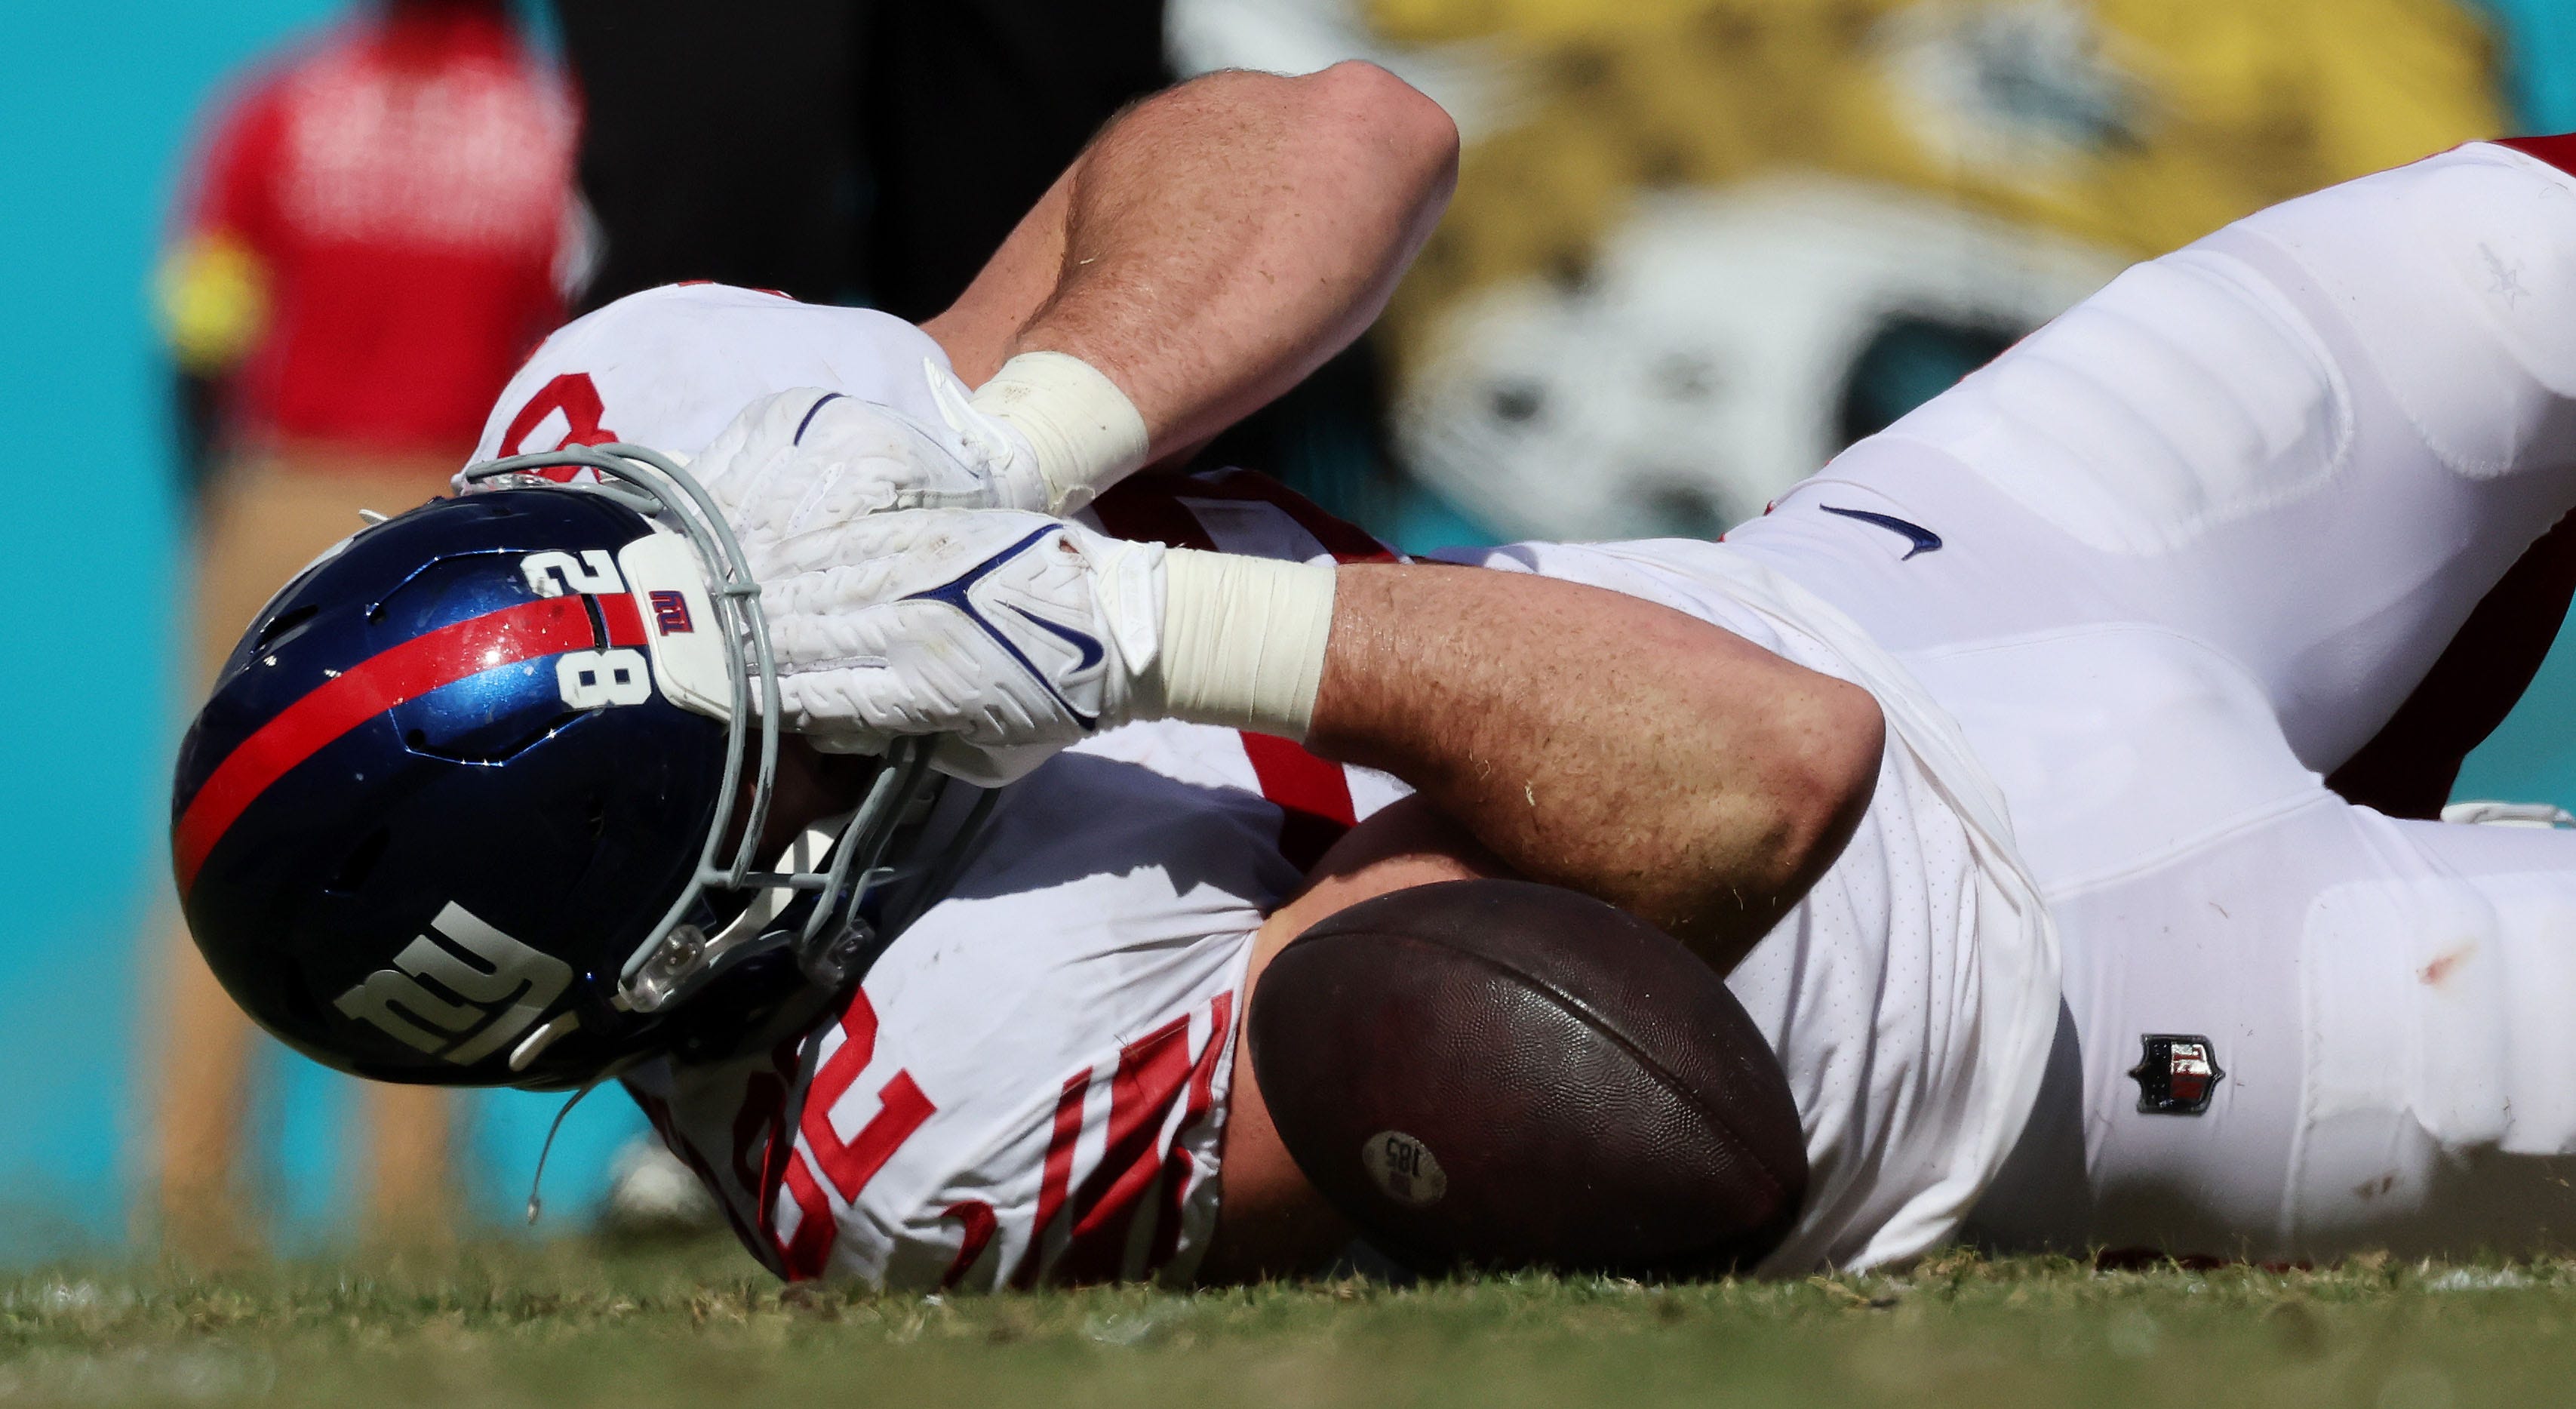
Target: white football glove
(1047, 433)
(1009, 633)
(796, 462)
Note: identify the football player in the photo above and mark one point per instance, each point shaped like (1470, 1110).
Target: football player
(1987, 766)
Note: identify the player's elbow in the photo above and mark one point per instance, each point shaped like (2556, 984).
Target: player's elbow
(1828, 743)
(1394, 126)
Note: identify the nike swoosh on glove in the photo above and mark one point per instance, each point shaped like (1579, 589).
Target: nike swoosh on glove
(797, 463)
(1010, 634)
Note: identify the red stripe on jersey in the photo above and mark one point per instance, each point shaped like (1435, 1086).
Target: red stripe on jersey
(544, 627)
(755, 1127)
(617, 612)
(778, 1145)
(1152, 1070)
(979, 1221)
(1177, 1163)
(803, 1257)
(1058, 1177)
(2558, 151)
(1314, 797)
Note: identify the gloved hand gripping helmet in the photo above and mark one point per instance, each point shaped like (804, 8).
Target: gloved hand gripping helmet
(457, 811)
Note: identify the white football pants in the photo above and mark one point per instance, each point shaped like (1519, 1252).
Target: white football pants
(2197, 540)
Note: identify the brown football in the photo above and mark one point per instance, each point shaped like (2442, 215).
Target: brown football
(1499, 1074)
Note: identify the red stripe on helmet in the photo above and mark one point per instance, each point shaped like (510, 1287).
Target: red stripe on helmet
(625, 623)
(544, 627)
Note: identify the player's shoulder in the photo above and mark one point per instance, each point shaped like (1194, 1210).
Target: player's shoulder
(669, 367)
(673, 319)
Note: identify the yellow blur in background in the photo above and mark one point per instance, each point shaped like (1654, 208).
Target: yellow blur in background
(2136, 125)
(1699, 246)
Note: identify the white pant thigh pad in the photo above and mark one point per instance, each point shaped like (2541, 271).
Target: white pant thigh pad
(2386, 1001)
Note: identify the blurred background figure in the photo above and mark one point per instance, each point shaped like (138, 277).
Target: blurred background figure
(376, 231)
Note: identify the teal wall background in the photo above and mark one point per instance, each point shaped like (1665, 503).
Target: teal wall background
(2532, 758)
(96, 105)
(96, 102)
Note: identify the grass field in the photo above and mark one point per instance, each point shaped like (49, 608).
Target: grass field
(578, 1323)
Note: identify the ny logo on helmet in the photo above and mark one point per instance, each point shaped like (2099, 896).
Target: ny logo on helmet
(495, 1000)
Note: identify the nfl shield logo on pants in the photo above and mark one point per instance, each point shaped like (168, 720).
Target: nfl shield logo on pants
(2176, 1074)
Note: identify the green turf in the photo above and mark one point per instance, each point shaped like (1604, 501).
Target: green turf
(579, 1323)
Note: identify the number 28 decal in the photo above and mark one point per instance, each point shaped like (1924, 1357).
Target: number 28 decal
(552, 573)
(589, 679)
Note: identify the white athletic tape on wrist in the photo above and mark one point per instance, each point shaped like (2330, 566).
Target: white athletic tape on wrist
(1243, 641)
(1086, 433)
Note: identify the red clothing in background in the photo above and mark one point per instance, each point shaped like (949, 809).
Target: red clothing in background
(403, 188)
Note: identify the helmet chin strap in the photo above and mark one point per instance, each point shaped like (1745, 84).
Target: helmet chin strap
(536, 1181)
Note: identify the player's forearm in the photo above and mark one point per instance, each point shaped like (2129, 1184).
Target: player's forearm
(1217, 243)
(1588, 738)
(1600, 741)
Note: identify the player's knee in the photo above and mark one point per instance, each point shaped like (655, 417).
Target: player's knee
(2454, 279)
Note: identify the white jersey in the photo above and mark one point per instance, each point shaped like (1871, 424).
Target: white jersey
(1031, 1084)
(670, 367)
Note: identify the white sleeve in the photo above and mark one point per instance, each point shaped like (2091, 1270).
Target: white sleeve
(670, 367)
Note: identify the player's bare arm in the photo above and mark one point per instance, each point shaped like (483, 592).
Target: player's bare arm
(1601, 742)
(1217, 242)
(1566, 734)
(1214, 245)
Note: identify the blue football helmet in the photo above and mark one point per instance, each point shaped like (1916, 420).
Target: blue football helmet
(458, 809)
